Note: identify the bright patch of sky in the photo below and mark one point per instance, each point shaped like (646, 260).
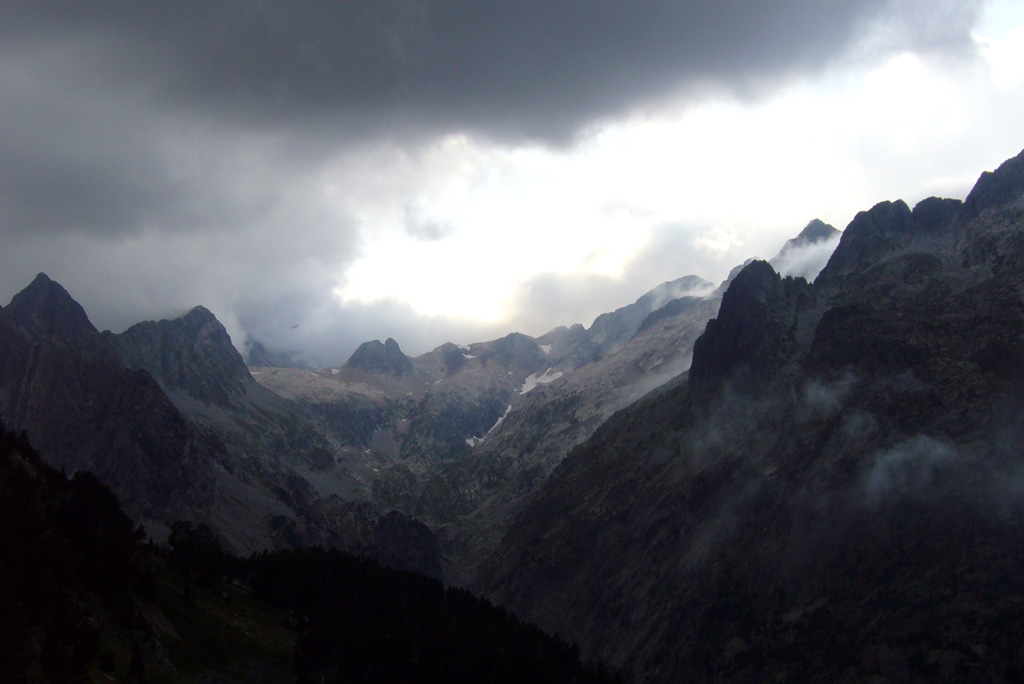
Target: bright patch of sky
(737, 177)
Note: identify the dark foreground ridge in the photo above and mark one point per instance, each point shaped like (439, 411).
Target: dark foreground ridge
(84, 598)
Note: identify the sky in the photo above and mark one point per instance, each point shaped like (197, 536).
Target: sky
(320, 174)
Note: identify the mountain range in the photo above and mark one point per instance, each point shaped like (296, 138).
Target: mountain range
(831, 493)
(810, 471)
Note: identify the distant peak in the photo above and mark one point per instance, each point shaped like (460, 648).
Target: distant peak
(201, 315)
(805, 255)
(42, 283)
(386, 358)
(45, 308)
(816, 231)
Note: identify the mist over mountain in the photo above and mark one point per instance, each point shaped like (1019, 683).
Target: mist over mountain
(807, 472)
(831, 495)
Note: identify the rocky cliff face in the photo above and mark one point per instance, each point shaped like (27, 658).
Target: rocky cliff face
(61, 382)
(754, 334)
(191, 355)
(169, 416)
(387, 358)
(472, 498)
(472, 430)
(846, 510)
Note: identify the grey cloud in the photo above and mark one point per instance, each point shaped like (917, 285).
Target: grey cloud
(161, 155)
(824, 400)
(537, 68)
(102, 101)
(552, 299)
(806, 261)
(937, 27)
(79, 162)
(909, 469)
(422, 228)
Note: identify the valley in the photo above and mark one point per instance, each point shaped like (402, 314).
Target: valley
(808, 472)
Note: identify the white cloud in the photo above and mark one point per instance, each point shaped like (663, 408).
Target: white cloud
(742, 177)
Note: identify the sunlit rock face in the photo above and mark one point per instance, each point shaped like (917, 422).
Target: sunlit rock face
(834, 492)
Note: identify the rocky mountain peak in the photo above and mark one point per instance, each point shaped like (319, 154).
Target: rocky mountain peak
(612, 329)
(200, 316)
(515, 351)
(381, 358)
(936, 215)
(192, 354)
(815, 231)
(871, 235)
(452, 357)
(571, 345)
(45, 308)
(806, 254)
(754, 333)
(996, 188)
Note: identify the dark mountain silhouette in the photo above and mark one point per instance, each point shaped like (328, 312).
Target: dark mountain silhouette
(61, 383)
(168, 415)
(84, 597)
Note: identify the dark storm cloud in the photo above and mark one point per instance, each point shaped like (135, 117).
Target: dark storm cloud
(76, 157)
(532, 67)
(95, 94)
(162, 155)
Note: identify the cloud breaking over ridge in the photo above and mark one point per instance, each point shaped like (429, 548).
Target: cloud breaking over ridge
(248, 155)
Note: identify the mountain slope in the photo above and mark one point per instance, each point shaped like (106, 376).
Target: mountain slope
(833, 496)
(609, 330)
(61, 383)
(84, 598)
(191, 355)
(169, 417)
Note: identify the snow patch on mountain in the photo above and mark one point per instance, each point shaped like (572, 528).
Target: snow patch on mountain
(473, 441)
(533, 380)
